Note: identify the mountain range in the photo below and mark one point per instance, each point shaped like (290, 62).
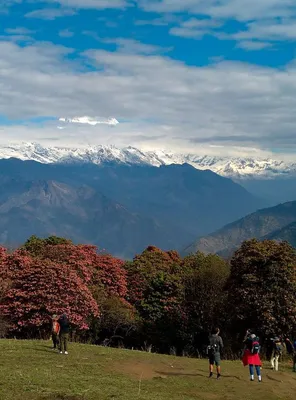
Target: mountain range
(120, 207)
(123, 199)
(276, 223)
(230, 167)
(270, 179)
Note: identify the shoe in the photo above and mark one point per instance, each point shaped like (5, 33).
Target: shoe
(218, 376)
(211, 374)
(66, 352)
(61, 352)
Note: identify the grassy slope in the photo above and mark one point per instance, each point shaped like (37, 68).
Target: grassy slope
(32, 371)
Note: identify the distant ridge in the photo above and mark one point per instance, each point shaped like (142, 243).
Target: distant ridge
(278, 223)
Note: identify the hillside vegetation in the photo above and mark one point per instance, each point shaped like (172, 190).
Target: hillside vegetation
(159, 300)
(30, 370)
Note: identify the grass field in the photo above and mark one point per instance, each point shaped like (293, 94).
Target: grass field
(30, 370)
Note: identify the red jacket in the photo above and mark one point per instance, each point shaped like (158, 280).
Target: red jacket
(251, 359)
(55, 327)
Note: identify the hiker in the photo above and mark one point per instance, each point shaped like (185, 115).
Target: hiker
(55, 330)
(214, 350)
(277, 352)
(269, 348)
(251, 355)
(64, 333)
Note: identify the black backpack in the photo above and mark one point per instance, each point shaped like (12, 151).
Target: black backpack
(213, 347)
(255, 346)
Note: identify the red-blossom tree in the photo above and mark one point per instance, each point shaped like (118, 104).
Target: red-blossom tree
(40, 288)
(94, 268)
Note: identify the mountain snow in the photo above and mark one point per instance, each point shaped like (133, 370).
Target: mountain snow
(236, 168)
(89, 121)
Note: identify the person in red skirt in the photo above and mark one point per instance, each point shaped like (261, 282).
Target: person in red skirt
(251, 355)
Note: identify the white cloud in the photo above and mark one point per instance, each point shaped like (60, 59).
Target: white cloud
(269, 30)
(230, 104)
(18, 31)
(195, 28)
(84, 4)
(242, 10)
(66, 33)
(252, 45)
(50, 13)
(265, 19)
(93, 121)
(96, 4)
(134, 47)
(18, 35)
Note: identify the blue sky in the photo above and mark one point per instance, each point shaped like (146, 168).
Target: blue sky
(208, 76)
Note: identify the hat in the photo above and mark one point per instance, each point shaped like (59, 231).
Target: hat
(54, 316)
(253, 336)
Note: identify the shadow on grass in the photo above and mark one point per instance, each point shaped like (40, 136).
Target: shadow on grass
(48, 350)
(173, 373)
(177, 374)
(272, 379)
(231, 376)
(63, 397)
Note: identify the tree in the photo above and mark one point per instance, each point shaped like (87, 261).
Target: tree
(35, 245)
(4, 285)
(40, 288)
(96, 269)
(155, 289)
(262, 287)
(146, 265)
(205, 277)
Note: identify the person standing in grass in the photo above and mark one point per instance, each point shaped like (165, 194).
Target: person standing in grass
(276, 354)
(55, 331)
(64, 333)
(251, 355)
(214, 352)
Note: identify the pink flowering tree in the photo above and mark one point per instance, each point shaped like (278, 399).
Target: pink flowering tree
(40, 288)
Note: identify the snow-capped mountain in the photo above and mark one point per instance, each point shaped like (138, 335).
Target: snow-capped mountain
(230, 167)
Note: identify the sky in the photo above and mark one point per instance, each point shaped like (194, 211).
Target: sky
(200, 76)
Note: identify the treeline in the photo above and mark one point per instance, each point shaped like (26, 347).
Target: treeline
(159, 301)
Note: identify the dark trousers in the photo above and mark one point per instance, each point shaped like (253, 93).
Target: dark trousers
(64, 338)
(55, 340)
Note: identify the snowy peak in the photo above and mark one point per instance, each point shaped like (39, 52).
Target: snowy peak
(236, 168)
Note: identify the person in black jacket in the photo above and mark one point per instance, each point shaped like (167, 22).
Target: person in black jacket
(64, 333)
(214, 351)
